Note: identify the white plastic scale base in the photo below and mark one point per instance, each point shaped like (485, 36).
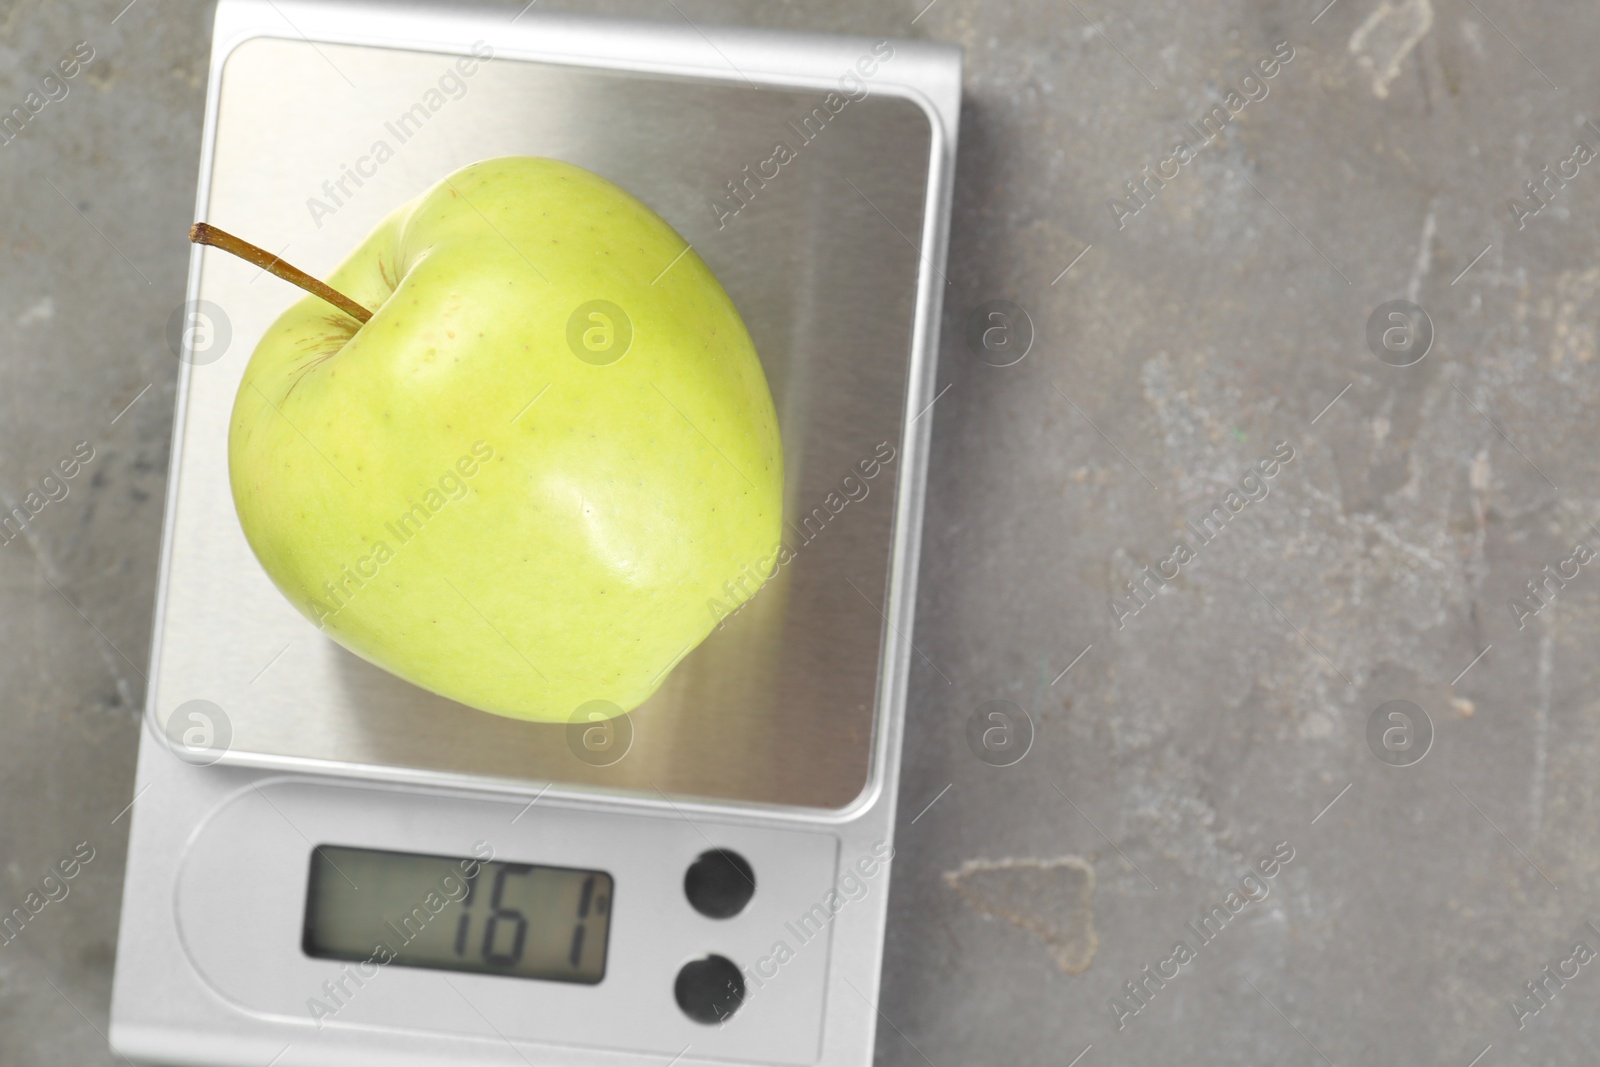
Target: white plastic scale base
(778, 739)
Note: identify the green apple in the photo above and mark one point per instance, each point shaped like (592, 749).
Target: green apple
(540, 473)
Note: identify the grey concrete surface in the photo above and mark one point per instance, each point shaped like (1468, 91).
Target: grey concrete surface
(1229, 716)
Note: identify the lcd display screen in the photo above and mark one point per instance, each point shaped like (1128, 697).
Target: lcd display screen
(484, 916)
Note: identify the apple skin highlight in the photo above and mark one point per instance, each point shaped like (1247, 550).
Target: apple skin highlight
(453, 494)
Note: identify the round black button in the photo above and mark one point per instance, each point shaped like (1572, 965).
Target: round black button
(719, 884)
(709, 990)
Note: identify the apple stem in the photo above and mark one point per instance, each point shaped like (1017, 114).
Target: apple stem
(203, 233)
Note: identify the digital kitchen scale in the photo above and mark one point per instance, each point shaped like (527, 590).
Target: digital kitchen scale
(329, 866)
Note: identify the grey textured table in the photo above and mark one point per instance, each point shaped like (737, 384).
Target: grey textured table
(1228, 709)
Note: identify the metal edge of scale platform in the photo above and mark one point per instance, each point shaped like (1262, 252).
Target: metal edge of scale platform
(929, 77)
